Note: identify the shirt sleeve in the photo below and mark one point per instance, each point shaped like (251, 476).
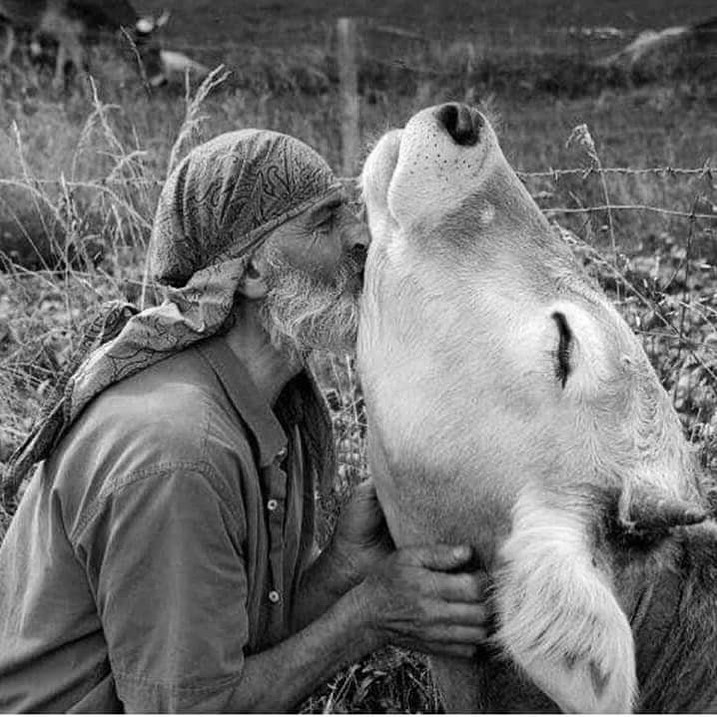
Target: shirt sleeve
(163, 554)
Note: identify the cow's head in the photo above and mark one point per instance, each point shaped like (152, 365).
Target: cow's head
(504, 386)
(558, 375)
(148, 46)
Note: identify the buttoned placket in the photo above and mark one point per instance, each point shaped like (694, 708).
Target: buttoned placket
(276, 512)
(273, 594)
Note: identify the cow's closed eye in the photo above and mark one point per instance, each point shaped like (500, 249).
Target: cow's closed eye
(564, 349)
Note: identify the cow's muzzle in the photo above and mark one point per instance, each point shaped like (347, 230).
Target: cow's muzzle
(462, 123)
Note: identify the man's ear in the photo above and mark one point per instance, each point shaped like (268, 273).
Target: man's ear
(253, 285)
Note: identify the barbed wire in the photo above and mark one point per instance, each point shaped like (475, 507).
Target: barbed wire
(705, 171)
(553, 211)
(103, 186)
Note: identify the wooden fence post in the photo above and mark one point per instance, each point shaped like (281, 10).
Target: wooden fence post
(348, 78)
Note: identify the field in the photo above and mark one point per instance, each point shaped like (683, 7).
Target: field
(80, 172)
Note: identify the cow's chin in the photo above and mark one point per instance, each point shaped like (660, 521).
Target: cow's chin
(302, 314)
(375, 183)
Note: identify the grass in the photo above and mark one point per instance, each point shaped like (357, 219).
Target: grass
(80, 174)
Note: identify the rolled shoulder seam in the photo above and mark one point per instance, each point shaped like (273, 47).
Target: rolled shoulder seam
(120, 483)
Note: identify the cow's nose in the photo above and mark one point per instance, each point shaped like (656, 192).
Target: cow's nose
(461, 122)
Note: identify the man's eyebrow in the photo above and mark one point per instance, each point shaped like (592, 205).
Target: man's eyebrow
(327, 205)
(331, 202)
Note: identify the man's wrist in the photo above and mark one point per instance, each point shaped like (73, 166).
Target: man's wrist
(363, 607)
(342, 564)
(326, 580)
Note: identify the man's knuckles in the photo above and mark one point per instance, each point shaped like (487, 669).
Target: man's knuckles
(463, 587)
(437, 557)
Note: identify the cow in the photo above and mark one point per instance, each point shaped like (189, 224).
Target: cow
(510, 407)
(74, 23)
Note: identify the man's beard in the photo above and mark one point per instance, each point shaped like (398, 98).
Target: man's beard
(302, 314)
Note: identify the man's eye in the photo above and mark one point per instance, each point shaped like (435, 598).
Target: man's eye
(324, 222)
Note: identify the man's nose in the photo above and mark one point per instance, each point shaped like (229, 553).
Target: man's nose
(358, 239)
(358, 254)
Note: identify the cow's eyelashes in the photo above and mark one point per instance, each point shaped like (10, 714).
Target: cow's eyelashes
(564, 350)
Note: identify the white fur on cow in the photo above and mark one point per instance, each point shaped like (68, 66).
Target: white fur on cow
(511, 407)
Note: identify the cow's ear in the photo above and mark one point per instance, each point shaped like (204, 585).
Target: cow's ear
(161, 21)
(646, 511)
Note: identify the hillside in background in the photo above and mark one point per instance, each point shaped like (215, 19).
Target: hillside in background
(220, 30)
(240, 21)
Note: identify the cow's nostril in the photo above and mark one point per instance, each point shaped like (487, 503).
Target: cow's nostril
(461, 123)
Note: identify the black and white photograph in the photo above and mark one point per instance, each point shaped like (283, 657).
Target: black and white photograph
(358, 357)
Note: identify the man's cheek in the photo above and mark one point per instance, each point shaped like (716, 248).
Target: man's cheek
(327, 267)
(316, 257)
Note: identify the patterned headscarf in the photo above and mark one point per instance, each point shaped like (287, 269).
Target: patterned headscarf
(216, 208)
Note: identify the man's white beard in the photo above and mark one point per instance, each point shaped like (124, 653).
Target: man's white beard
(302, 314)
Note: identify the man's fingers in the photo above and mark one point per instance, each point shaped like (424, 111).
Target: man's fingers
(456, 634)
(463, 587)
(466, 614)
(439, 557)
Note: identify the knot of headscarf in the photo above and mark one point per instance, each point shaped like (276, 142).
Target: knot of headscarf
(216, 207)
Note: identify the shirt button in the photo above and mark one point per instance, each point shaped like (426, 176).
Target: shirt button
(272, 504)
(274, 596)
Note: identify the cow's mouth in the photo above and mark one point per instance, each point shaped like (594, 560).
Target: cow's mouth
(463, 123)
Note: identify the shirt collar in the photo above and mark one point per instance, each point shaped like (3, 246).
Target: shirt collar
(247, 400)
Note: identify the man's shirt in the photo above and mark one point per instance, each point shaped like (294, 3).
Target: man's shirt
(161, 542)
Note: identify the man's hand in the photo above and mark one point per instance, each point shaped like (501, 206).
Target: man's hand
(415, 598)
(361, 539)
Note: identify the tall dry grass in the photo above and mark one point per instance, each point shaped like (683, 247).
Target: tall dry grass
(91, 249)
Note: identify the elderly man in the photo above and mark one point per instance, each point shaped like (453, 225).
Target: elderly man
(160, 559)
